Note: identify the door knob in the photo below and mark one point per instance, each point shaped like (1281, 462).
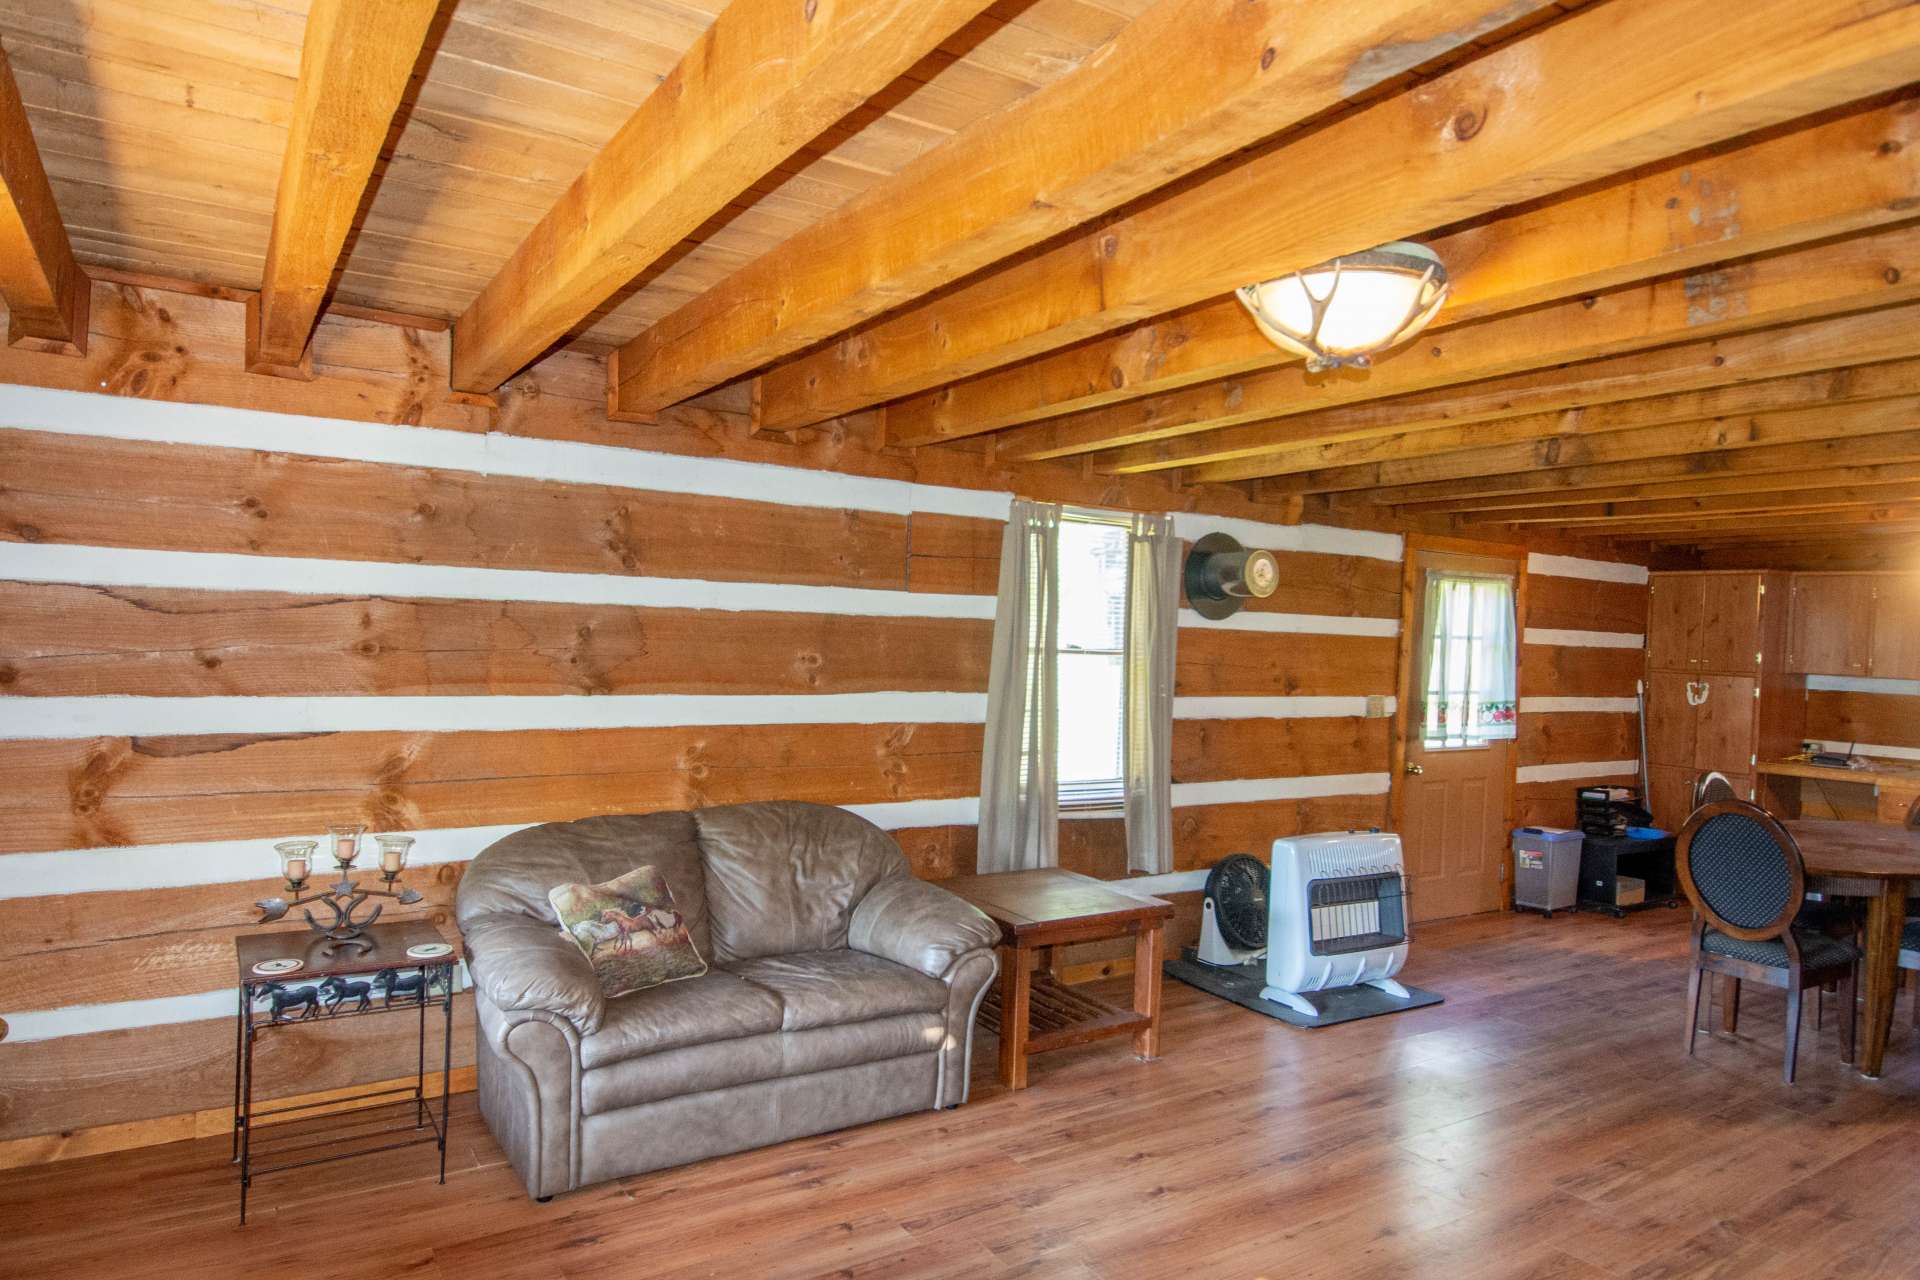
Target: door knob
(1415, 768)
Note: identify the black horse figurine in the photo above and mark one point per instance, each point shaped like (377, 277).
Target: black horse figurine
(337, 991)
(283, 999)
(410, 986)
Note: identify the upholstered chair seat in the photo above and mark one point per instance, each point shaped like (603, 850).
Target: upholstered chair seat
(1817, 950)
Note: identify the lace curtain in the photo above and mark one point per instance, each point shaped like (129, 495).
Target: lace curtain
(1470, 659)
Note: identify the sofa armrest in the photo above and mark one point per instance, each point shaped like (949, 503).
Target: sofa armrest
(919, 925)
(525, 965)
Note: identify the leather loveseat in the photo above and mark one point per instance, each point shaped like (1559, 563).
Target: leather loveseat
(840, 990)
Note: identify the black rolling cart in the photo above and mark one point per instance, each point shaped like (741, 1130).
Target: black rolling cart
(1605, 859)
(303, 985)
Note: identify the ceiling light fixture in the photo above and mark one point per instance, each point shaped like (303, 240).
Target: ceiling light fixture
(1342, 313)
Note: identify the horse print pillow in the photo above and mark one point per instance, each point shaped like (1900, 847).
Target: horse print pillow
(629, 931)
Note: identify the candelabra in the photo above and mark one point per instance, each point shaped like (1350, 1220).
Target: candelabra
(343, 898)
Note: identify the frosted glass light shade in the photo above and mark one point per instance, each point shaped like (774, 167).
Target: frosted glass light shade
(1345, 311)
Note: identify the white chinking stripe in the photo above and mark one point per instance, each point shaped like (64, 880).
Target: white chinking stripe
(1544, 706)
(129, 716)
(1573, 772)
(1586, 639)
(225, 571)
(1323, 624)
(1323, 538)
(217, 426)
(1594, 570)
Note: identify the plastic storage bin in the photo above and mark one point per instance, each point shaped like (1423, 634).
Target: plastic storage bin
(1546, 868)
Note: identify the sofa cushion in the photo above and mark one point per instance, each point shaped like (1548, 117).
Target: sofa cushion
(713, 1007)
(701, 1068)
(827, 988)
(514, 874)
(783, 877)
(629, 931)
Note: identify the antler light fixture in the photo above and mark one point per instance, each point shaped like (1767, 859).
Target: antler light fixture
(1342, 313)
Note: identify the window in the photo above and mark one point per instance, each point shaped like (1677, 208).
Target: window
(1470, 659)
(1092, 658)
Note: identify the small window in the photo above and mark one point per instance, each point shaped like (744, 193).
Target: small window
(1470, 659)
(1092, 658)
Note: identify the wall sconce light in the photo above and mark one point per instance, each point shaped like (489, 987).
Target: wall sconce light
(1342, 313)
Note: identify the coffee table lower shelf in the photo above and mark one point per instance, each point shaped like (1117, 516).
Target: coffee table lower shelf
(1060, 1017)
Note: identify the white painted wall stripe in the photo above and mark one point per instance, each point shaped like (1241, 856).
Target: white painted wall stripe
(28, 1025)
(1547, 706)
(1575, 567)
(1328, 539)
(223, 571)
(1586, 639)
(125, 716)
(1297, 623)
(1252, 790)
(217, 426)
(1573, 772)
(1278, 708)
(1864, 684)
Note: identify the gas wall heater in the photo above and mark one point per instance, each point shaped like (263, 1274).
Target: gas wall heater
(1337, 916)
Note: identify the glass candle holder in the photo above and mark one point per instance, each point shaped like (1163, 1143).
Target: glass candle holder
(393, 854)
(296, 861)
(345, 837)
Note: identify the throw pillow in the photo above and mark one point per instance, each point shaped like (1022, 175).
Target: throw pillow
(629, 931)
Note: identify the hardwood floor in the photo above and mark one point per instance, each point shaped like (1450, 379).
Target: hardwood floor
(1541, 1123)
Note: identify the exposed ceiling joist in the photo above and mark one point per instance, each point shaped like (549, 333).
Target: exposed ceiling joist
(1631, 81)
(1832, 387)
(1804, 457)
(46, 291)
(1846, 175)
(1901, 518)
(1243, 72)
(1833, 278)
(758, 85)
(355, 61)
(1734, 486)
(1625, 514)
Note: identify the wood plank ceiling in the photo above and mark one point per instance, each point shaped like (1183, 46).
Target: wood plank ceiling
(1684, 236)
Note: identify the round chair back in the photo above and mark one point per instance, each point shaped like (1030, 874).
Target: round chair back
(1741, 869)
(1713, 786)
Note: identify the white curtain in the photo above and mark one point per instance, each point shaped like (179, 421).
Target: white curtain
(1470, 659)
(1153, 617)
(1019, 792)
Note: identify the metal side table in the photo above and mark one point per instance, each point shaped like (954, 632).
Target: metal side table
(350, 983)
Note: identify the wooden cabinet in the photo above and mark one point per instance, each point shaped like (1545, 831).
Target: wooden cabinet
(1831, 624)
(1893, 650)
(1718, 693)
(1705, 622)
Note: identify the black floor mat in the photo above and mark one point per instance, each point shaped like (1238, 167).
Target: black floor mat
(1242, 985)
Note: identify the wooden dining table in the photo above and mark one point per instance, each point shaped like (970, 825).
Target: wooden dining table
(1875, 861)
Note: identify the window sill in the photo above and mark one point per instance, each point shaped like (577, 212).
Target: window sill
(1094, 809)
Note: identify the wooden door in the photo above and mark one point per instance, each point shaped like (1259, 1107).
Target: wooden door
(1453, 801)
(1671, 720)
(1724, 725)
(1673, 621)
(1729, 622)
(1895, 642)
(1670, 795)
(1829, 622)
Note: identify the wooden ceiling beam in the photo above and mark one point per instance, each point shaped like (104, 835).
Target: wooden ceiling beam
(1901, 518)
(355, 60)
(1243, 72)
(1746, 431)
(763, 81)
(1734, 486)
(1790, 286)
(1842, 176)
(1801, 457)
(1826, 388)
(1609, 88)
(47, 293)
(1802, 498)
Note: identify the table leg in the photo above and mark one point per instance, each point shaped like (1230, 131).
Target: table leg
(1016, 995)
(1148, 947)
(1880, 969)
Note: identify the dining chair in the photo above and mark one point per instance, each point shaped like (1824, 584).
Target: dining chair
(1910, 959)
(1711, 786)
(1743, 874)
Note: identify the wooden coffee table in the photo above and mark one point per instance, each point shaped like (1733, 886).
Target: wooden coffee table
(1032, 1010)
